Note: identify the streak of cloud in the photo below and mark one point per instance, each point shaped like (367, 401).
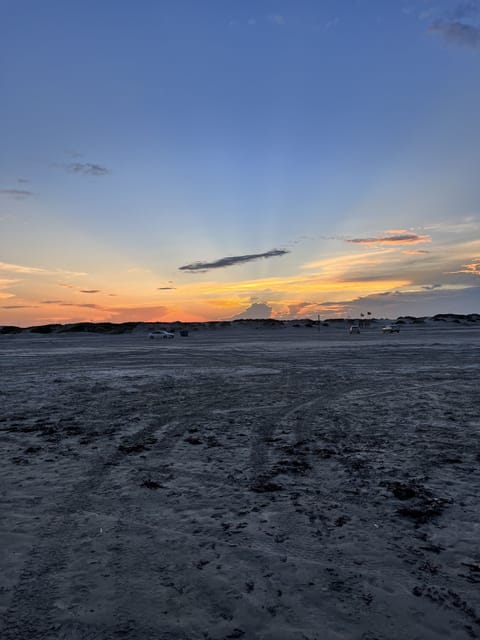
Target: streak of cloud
(19, 268)
(18, 194)
(84, 168)
(89, 290)
(165, 288)
(399, 238)
(18, 306)
(230, 261)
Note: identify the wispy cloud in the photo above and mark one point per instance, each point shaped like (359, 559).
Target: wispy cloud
(332, 23)
(165, 288)
(415, 252)
(230, 261)
(84, 168)
(431, 287)
(472, 268)
(23, 181)
(457, 33)
(399, 238)
(18, 194)
(276, 18)
(18, 306)
(89, 290)
(19, 268)
(6, 283)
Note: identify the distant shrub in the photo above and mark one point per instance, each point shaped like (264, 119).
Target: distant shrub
(10, 329)
(45, 328)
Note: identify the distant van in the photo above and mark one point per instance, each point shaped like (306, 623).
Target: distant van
(354, 329)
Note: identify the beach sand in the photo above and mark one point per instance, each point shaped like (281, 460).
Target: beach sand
(279, 484)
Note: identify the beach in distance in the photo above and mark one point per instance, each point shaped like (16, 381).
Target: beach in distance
(252, 480)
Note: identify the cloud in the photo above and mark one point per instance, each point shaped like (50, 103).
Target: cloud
(457, 32)
(399, 238)
(89, 290)
(256, 311)
(165, 288)
(473, 268)
(19, 268)
(18, 194)
(414, 252)
(306, 307)
(22, 181)
(18, 306)
(84, 168)
(230, 261)
(61, 303)
(431, 287)
(276, 18)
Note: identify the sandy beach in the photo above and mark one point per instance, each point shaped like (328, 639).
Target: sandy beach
(273, 484)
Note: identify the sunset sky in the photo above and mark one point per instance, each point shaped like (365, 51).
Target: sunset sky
(215, 159)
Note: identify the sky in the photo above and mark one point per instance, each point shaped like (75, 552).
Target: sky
(200, 160)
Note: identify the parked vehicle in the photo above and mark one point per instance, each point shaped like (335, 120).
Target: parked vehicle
(390, 328)
(166, 335)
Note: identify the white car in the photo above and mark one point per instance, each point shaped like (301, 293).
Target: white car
(165, 335)
(390, 328)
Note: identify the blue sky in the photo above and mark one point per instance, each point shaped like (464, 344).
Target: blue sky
(140, 137)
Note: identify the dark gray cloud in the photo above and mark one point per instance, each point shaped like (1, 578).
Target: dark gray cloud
(18, 194)
(18, 306)
(61, 303)
(256, 311)
(396, 238)
(430, 287)
(165, 288)
(89, 290)
(84, 168)
(230, 261)
(456, 32)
